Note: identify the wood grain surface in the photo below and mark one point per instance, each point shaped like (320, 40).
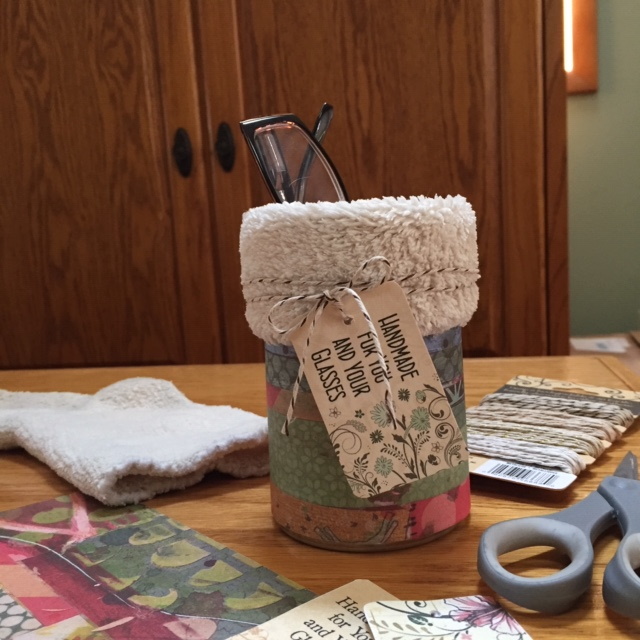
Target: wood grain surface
(192, 212)
(221, 84)
(555, 155)
(110, 257)
(415, 91)
(434, 98)
(522, 178)
(105, 249)
(236, 512)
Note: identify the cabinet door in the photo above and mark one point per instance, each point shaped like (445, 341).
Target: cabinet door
(105, 250)
(431, 97)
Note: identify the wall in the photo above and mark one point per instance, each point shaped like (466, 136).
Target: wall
(604, 181)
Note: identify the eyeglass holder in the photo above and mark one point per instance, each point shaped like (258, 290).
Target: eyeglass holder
(295, 249)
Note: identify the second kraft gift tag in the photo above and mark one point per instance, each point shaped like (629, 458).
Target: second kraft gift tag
(337, 615)
(387, 415)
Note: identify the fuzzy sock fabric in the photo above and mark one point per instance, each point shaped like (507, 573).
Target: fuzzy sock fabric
(133, 439)
(294, 249)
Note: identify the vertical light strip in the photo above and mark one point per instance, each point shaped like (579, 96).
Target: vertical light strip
(568, 35)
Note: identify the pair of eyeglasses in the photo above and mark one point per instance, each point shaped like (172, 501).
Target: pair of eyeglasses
(291, 159)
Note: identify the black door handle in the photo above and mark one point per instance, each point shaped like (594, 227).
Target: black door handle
(182, 152)
(225, 147)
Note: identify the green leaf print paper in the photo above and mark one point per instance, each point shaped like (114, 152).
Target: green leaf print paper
(71, 568)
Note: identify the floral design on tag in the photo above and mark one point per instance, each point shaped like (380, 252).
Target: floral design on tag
(419, 442)
(376, 387)
(467, 618)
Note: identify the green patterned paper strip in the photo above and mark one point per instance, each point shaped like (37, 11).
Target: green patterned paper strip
(304, 465)
(445, 351)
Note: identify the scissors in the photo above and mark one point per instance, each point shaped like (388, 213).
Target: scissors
(573, 531)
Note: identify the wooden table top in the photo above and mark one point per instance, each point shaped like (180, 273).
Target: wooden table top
(237, 512)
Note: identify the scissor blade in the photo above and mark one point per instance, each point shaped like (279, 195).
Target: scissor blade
(628, 468)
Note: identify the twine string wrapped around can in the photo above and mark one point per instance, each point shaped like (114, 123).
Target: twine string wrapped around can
(323, 299)
(334, 295)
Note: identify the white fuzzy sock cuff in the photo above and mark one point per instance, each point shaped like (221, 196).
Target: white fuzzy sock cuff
(301, 249)
(133, 439)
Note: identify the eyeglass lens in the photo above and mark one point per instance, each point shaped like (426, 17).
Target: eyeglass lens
(296, 168)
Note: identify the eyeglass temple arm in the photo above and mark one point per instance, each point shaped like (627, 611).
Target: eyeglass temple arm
(322, 122)
(319, 131)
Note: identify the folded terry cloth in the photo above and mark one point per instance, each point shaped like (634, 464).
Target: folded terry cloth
(431, 244)
(133, 439)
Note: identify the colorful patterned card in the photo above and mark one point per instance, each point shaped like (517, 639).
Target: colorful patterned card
(72, 569)
(469, 618)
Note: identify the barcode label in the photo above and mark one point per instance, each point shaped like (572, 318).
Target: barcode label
(521, 474)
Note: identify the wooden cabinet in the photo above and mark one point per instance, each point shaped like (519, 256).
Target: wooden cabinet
(108, 255)
(431, 97)
(105, 250)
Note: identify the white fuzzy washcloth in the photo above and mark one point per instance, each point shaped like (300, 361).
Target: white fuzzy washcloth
(133, 439)
(300, 249)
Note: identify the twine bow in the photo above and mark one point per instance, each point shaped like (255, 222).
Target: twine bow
(322, 300)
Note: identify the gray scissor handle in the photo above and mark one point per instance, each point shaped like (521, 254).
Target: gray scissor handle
(570, 531)
(621, 584)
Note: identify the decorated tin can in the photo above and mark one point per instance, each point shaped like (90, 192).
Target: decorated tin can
(294, 250)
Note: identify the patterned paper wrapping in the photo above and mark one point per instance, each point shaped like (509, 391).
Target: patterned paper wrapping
(290, 254)
(72, 569)
(311, 499)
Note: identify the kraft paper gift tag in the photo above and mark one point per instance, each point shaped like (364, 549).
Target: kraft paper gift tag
(378, 392)
(337, 615)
